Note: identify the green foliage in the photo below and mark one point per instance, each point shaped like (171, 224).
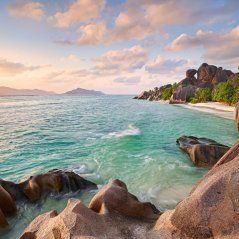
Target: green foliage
(235, 97)
(166, 93)
(201, 95)
(174, 86)
(189, 98)
(227, 92)
(163, 92)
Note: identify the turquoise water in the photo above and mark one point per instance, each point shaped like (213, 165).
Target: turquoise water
(103, 138)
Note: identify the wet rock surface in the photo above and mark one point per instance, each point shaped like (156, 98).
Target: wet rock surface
(112, 213)
(237, 115)
(203, 152)
(211, 210)
(36, 187)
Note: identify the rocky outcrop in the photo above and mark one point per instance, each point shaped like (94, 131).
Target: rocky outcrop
(213, 74)
(237, 115)
(143, 96)
(182, 93)
(112, 213)
(7, 204)
(187, 88)
(207, 77)
(190, 73)
(3, 220)
(212, 208)
(37, 186)
(115, 197)
(153, 95)
(7, 207)
(202, 151)
(210, 211)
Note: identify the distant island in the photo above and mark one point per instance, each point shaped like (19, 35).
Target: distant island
(84, 92)
(7, 91)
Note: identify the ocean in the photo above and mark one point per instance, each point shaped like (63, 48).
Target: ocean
(103, 138)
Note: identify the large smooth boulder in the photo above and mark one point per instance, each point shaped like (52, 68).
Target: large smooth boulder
(7, 207)
(213, 74)
(115, 197)
(53, 181)
(182, 93)
(112, 213)
(202, 151)
(221, 75)
(206, 72)
(143, 95)
(7, 204)
(188, 81)
(191, 73)
(3, 221)
(211, 210)
(237, 115)
(37, 186)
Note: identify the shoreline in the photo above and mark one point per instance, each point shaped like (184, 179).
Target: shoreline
(217, 108)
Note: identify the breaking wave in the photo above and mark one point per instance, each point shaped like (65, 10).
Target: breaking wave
(130, 131)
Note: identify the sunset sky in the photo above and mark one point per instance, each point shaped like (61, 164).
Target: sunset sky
(116, 46)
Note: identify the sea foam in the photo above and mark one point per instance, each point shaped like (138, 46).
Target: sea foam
(130, 131)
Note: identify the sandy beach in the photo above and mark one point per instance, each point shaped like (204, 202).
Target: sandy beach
(216, 108)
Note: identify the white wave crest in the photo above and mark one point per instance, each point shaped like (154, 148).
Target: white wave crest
(131, 130)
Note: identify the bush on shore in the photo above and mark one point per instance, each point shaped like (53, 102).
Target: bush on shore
(226, 92)
(202, 95)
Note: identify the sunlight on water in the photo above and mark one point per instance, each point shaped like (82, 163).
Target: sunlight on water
(103, 138)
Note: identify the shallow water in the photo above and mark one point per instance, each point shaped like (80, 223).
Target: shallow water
(103, 138)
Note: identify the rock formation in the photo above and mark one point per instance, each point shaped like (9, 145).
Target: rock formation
(213, 74)
(182, 93)
(3, 220)
(7, 207)
(202, 151)
(143, 96)
(210, 211)
(112, 213)
(115, 196)
(35, 187)
(207, 77)
(237, 115)
(153, 95)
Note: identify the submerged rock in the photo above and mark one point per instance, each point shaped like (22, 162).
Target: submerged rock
(36, 186)
(212, 208)
(53, 181)
(112, 213)
(210, 211)
(202, 151)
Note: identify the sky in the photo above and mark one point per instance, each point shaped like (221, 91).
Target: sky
(115, 46)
